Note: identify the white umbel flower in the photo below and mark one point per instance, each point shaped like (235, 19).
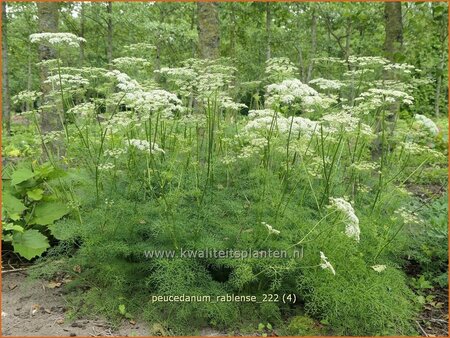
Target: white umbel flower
(25, 96)
(325, 264)
(326, 84)
(427, 123)
(379, 96)
(145, 146)
(67, 80)
(149, 102)
(379, 268)
(271, 229)
(227, 103)
(265, 119)
(128, 61)
(351, 220)
(57, 39)
(106, 166)
(280, 68)
(124, 82)
(292, 90)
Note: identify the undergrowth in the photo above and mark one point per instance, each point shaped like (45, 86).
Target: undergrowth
(321, 173)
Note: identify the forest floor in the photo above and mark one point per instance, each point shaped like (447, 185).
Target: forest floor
(433, 321)
(38, 307)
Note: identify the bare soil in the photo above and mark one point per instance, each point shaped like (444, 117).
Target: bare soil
(433, 321)
(37, 308)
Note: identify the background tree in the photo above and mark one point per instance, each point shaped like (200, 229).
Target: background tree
(208, 29)
(268, 30)
(440, 15)
(313, 43)
(179, 32)
(393, 43)
(48, 13)
(6, 109)
(109, 36)
(82, 30)
(394, 30)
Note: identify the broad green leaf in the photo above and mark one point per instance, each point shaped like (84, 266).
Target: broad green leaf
(12, 205)
(35, 194)
(44, 170)
(15, 217)
(122, 310)
(421, 300)
(13, 227)
(21, 175)
(30, 244)
(64, 230)
(47, 212)
(7, 237)
(48, 172)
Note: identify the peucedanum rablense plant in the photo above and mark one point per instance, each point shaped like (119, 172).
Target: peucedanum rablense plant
(321, 167)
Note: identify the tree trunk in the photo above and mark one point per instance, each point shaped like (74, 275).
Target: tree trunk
(394, 30)
(392, 47)
(193, 20)
(162, 16)
(440, 68)
(393, 44)
(82, 31)
(440, 74)
(329, 44)
(348, 39)
(268, 31)
(233, 31)
(29, 106)
(208, 29)
(48, 13)
(301, 66)
(6, 109)
(109, 38)
(313, 44)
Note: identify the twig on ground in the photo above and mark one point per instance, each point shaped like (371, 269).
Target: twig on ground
(437, 320)
(14, 270)
(421, 329)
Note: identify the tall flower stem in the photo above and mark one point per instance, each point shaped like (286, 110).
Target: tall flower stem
(312, 229)
(382, 160)
(62, 113)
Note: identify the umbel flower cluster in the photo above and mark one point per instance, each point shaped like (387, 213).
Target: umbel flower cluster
(150, 102)
(351, 221)
(427, 123)
(203, 81)
(291, 91)
(325, 264)
(144, 145)
(129, 61)
(55, 39)
(279, 69)
(264, 120)
(25, 97)
(326, 84)
(296, 131)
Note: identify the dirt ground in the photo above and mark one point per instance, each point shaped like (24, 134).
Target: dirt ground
(37, 308)
(32, 308)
